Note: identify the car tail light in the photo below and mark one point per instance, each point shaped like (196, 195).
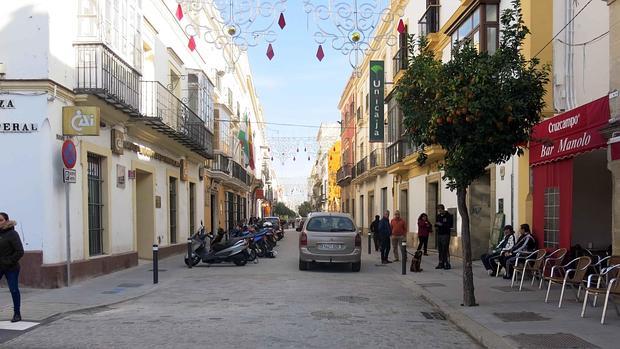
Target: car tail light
(303, 240)
(358, 240)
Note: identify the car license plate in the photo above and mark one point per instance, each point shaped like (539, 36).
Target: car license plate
(330, 246)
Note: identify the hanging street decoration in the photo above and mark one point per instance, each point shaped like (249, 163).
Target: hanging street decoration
(286, 149)
(239, 24)
(351, 26)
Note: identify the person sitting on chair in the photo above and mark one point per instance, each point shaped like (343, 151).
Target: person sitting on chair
(525, 244)
(490, 259)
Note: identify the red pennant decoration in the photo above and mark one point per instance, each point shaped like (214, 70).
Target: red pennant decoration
(179, 12)
(293, 158)
(282, 21)
(319, 53)
(308, 158)
(191, 44)
(401, 26)
(270, 52)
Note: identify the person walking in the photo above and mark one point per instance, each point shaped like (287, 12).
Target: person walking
(425, 228)
(399, 233)
(374, 230)
(385, 231)
(444, 229)
(11, 251)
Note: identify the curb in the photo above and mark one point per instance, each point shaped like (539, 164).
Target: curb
(478, 332)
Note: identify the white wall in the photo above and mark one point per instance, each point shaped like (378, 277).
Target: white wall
(417, 200)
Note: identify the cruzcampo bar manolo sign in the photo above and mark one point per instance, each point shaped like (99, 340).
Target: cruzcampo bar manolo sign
(80, 121)
(377, 83)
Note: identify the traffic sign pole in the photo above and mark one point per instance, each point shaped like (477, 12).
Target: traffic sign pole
(68, 234)
(69, 158)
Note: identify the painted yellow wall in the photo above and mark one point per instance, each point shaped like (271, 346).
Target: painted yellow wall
(333, 190)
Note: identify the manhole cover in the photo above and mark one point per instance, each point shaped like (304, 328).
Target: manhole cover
(432, 284)
(556, 340)
(329, 315)
(352, 299)
(434, 315)
(129, 284)
(509, 289)
(520, 316)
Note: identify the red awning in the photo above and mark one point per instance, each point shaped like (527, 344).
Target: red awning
(570, 133)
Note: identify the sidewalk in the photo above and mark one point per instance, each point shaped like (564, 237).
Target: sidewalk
(41, 304)
(507, 318)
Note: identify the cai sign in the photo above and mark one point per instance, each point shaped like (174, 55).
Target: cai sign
(570, 133)
(80, 121)
(376, 95)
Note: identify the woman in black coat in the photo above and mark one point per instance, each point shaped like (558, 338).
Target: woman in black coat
(11, 251)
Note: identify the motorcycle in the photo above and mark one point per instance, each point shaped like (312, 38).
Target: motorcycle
(234, 250)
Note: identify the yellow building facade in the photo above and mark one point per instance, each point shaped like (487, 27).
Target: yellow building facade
(333, 190)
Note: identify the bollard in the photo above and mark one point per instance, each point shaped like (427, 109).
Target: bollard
(369, 241)
(189, 253)
(403, 252)
(155, 264)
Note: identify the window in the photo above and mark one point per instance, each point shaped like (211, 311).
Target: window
(481, 27)
(172, 197)
(552, 217)
(330, 224)
(384, 199)
(192, 208)
(95, 205)
(395, 119)
(230, 209)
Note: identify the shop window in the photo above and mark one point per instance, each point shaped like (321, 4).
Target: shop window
(95, 204)
(172, 210)
(552, 217)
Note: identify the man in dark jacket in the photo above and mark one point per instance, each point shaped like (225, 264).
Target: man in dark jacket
(444, 229)
(374, 227)
(385, 231)
(11, 251)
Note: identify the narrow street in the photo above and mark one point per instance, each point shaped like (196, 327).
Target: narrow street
(266, 305)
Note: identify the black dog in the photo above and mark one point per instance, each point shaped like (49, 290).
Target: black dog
(416, 261)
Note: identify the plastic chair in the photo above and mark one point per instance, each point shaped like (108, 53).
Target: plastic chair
(610, 287)
(564, 275)
(555, 258)
(531, 263)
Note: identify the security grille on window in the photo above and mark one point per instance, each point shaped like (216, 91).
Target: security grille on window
(95, 205)
(552, 217)
(173, 210)
(192, 207)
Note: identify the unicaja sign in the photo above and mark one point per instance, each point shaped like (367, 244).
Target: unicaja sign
(80, 121)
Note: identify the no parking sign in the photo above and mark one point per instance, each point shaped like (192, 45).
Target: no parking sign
(69, 154)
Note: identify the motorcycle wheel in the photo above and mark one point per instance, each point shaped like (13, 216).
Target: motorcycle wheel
(241, 261)
(195, 260)
(251, 254)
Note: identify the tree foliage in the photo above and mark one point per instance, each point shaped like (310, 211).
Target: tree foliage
(280, 209)
(478, 107)
(304, 208)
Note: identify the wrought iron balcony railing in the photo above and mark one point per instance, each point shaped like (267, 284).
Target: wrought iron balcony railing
(221, 163)
(167, 114)
(240, 173)
(400, 60)
(361, 166)
(397, 151)
(101, 72)
(429, 23)
(376, 158)
(344, 173)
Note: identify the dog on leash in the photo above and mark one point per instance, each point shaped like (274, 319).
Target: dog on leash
(416, 261)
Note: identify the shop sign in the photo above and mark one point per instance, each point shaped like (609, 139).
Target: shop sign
(260, 194)
(377, 101)
(184, 170)
(120, 176)
(18, 127)
(118, 141)
(80, 121)
(7, 104)
(570, 133)
(131, 174)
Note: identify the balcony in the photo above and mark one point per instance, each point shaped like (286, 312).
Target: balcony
(163, 111)
(100, 72)
(429, 23)
(220, 163)
(398, 151)
(240, 173)
(344, 175)
(400, 60)
(376, 159)
(361, 166)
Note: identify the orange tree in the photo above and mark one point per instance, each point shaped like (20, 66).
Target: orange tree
(479, 107)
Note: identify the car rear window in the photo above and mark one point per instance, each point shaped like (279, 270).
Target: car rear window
(273, 220)
(330, 224)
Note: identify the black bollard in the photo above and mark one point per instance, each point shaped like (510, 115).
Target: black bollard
(189, 253)
(403, 252)
(369, 241)
(155, 264)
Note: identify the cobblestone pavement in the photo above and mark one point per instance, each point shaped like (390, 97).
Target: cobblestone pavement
(266, 305)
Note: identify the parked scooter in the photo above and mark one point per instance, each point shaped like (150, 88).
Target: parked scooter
(235, 251)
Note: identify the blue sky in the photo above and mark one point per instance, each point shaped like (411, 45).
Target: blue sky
(295, 87)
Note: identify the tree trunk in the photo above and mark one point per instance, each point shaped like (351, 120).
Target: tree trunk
(469, 299)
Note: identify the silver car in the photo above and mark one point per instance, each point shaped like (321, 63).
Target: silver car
(329, 238)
